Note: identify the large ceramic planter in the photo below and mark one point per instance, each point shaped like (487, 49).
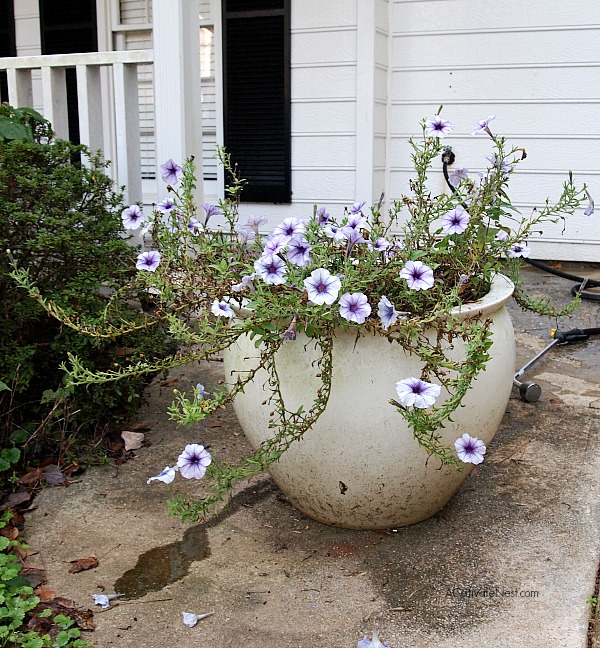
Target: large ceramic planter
(359, 466)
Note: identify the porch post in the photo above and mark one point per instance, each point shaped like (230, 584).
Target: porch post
(178, 116)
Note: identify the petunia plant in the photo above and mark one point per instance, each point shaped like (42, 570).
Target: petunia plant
(394, 273)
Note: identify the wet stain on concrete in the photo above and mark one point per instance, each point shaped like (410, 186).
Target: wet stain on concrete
(162, 566)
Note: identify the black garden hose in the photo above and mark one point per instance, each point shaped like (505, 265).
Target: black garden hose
(582, 282)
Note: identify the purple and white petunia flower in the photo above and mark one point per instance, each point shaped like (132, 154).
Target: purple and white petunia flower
(380, 245)
(193, 461)
(438, 127)
(245, 234)
(148, 261)
(455, 221)
(104, 599)
(132, 217)
(274, 244)
(470, 449)
(271, 269)
(334, 232)
(356, 221)
(518, 250)
(416, 392)
(395, 247)
(190, 619)
(222, 309)
(290, 228)
(165, 206)
(357, 207)
(322, 216)
(387, 312)
(199, 391)
(458, 175)
(373, 643)
(254, 222)
(195, 226)
(299, 252)
(482, 126)
(148, 226)
(211, 210)
(171, 172)
(589, 210)
(418, 275)
(502, 165)
(166, 476)
(246, 282)
(322, 287)
(355, 307)
(502, 235)
(354, 236)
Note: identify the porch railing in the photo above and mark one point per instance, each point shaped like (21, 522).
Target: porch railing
(114, 91)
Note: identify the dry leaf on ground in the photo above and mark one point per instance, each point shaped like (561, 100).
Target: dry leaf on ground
(82, 564)
(133, 440)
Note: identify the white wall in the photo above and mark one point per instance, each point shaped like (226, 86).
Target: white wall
(536, 64)
(364, 72)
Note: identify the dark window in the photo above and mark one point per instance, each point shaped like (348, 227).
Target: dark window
(69, 26)
(257, 95)
(7, 41)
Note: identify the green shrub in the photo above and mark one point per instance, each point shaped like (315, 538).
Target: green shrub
(18, 601)
(60, 220)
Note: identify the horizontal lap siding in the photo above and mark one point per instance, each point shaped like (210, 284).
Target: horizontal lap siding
(208, 94)
(380, 97)
(323, 102)
(143, 40)
(134, 12)
(536, 65)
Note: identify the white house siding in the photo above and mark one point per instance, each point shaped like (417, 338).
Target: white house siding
(135, 40)
(134, 12)
(340, 108)
(208, 71)
(28, 41)
(132, 30)
(324, 94)
(536, 65)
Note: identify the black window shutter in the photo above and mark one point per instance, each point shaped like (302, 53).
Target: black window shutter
(69, 26)
(7, 41)
(257, 96)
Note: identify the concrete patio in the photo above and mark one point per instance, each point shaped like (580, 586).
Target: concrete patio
(511, 561)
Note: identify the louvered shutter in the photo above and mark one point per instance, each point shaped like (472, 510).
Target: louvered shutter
(7, 41)
(257, 96)
(69, 26)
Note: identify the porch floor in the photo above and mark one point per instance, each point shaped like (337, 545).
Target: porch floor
(509, 562)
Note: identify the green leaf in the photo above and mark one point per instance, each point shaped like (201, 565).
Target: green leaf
(12, 455)
(10, 130)
(4, 386)
(19, 436)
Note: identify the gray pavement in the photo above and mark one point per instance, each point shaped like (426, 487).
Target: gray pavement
(510, 562)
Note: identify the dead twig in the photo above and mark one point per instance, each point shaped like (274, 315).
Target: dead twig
(512, 454)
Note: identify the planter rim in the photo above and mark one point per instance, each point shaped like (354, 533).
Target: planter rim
(501, 290)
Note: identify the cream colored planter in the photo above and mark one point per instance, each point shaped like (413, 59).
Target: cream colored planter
(360, 467)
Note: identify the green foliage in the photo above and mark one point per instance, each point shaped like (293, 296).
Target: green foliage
(201, 265)
(17, 601)
(61, 220)
(22, 124)
(8, 457)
